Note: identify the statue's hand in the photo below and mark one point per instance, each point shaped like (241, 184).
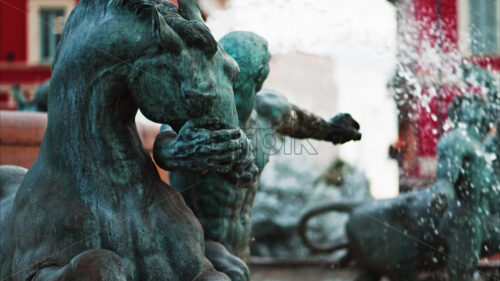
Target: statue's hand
(201, 145)
(244, 171)
(343, 128)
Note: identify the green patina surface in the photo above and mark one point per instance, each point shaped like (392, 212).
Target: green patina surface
(92, 206)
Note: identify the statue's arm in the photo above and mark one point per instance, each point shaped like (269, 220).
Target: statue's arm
(196, 148)
(206, 145)
(290, 120)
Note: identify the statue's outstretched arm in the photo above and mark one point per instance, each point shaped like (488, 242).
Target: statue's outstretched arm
(291, 120)
(303, 124)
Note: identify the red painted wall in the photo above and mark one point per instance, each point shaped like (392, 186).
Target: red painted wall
(13, 29)
(23, 74)
(449, 25)
(428, 12)
(425, 15)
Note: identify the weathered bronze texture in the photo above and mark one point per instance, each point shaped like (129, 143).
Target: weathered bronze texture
(92, 206)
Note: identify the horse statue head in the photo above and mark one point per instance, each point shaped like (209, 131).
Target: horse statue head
(109, 213)
(142, 53)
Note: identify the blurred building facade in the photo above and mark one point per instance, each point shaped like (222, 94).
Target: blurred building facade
(29, 33)
(436, 38)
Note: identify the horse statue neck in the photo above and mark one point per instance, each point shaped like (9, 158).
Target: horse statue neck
(91, 135)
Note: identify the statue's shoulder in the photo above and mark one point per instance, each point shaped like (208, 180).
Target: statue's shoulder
(272, 106)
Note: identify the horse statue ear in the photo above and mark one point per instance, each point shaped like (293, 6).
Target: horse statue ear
(190, 10)
(168, 37)
(183, 25)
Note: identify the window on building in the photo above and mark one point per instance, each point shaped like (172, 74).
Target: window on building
(484, 26)
(51, 24)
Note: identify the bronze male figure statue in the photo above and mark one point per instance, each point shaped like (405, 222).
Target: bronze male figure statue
(223, 208)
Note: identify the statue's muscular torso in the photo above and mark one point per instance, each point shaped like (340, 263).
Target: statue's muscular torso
(224, 210)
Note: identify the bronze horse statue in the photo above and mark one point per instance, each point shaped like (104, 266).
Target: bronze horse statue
(92, 206)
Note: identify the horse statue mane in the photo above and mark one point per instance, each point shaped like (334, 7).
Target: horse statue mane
(192, 30)
(92, 206)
